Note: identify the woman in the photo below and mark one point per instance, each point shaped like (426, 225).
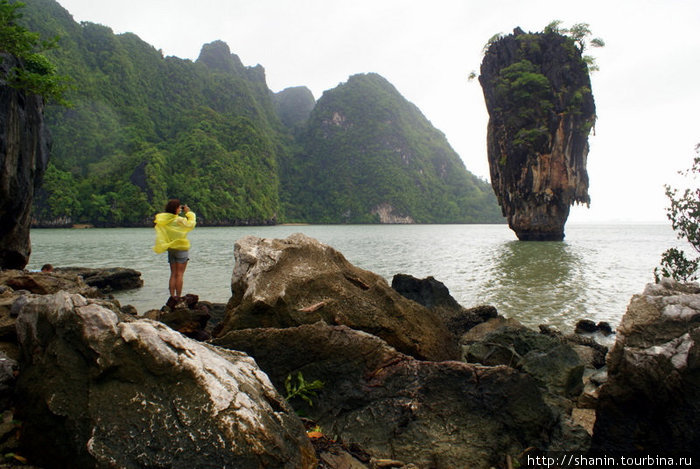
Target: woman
(171, 236)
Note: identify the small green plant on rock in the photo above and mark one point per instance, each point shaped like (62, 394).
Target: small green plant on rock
(301, 388)
(684, 214)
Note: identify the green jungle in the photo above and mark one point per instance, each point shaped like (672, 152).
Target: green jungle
(141, 128)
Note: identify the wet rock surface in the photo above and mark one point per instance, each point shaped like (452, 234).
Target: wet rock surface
(106, 279)
(651, 399)
(92, 386)
(99, 389)
(432, 414)
(286, 283)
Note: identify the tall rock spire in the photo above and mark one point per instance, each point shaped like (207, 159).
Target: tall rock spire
(538, 95)
(24, 153)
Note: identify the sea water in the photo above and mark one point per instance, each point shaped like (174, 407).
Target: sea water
(592, 274)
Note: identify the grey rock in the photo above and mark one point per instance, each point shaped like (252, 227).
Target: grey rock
(435, 296)
(107, 279)
(550, 361)
(431, 414)
(286, 283)
(591, 352)
(100, 389)
(650, 402)
(186, 315)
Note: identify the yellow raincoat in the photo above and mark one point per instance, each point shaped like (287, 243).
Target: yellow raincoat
(171, 231)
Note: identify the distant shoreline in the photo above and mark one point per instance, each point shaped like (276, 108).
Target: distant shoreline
(82, 226)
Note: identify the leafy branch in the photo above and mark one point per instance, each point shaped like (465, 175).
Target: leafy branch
(684, 214)
(580, 33)
(37, 75)
(302, 388)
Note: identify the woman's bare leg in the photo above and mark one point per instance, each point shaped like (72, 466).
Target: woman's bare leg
(179, 277)
(172, 283)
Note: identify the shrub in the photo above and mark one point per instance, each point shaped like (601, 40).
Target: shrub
(684, 214)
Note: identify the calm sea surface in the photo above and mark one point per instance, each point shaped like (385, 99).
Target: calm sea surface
(592, 274)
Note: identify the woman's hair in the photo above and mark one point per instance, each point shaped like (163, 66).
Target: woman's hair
(172, 205)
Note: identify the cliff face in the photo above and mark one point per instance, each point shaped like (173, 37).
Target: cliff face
(368, 155)
(24, 153)
(541, 110)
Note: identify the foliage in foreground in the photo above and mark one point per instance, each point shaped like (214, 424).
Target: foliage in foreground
(301, 388)
(684, 214)
(37, 75)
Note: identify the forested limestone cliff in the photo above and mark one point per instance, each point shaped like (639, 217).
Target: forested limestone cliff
(294, 106)
(368, 155)
(144, 127)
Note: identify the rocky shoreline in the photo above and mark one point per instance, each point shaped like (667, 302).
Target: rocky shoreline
(410, 378)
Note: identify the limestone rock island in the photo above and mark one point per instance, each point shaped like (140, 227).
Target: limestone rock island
(538, 95)
(25, 145)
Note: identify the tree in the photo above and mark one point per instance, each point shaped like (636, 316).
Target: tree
(580, 33)
(37, 75)
(684, 214)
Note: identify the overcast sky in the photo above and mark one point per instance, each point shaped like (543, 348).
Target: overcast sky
(647, 91)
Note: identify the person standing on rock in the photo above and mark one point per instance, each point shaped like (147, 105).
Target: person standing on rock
(171, 236)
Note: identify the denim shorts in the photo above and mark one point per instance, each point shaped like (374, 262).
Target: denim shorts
(179, 257)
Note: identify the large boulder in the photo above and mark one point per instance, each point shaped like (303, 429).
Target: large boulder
(24, 153)
(99, 389)
(17, 287)
(431, 414)
(651, 401)
(298, 280)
